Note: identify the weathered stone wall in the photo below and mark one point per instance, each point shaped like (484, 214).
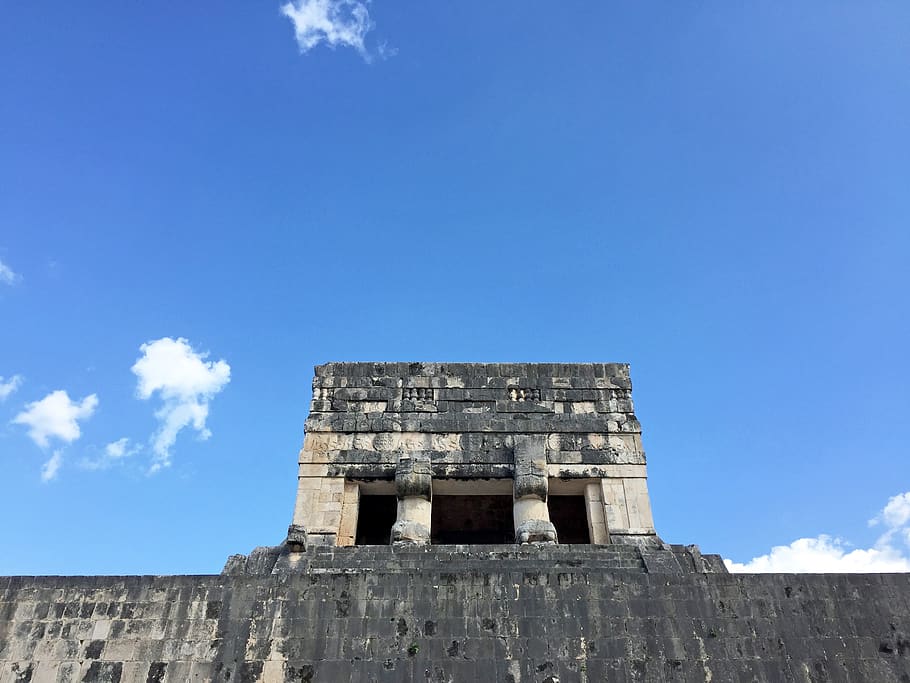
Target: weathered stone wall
(576, 421)
(572, 614)
(472, 397)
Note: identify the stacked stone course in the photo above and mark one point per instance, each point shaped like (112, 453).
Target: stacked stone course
(531, 423)
(437, 616)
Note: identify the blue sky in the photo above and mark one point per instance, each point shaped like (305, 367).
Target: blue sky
(714, 192)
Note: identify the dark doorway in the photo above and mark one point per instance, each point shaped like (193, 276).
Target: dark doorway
(570, 517)
(375, 518)
(472, 520)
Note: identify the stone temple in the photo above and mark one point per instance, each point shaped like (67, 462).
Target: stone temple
(473, 454)
(463, 522)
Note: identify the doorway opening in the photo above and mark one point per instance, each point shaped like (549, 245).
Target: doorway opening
(472, 520)
(375, 516)
(569, 515)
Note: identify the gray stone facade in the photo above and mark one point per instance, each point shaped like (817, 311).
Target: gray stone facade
(521, 428)
(530, 614)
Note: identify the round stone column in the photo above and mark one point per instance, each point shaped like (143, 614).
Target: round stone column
(414, 488)
(530, 511)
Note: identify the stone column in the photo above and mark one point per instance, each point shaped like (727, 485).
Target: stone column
(530, 511)
(414, 487)
(350, 510)
(597, 520)
(317, 511)
(628, 511)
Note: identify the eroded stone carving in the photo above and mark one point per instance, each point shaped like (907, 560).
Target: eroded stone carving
(535, 531)
(296, 538)
(530, 486)
(414, 478)
(409, 532)
(414, 489)
(416, 394)
(522, 394)
(531, 479)
(386, 441)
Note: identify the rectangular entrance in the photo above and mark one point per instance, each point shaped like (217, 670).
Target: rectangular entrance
(472, 519)
(375, 518)
(570, 517)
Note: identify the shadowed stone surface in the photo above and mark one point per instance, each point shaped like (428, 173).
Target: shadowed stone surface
(449, 613)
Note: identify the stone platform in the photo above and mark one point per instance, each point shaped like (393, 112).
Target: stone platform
(668, 559)
(449, 614)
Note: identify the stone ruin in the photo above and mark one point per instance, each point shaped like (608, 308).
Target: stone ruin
(472, 454)
(561, 441)
(463, 522)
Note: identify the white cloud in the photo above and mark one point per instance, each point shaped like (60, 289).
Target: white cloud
(185, 382)
(827, 554)
(333, 22)
(115, 451)
(896, 512)
(824, 554)
(7, 276)
(8, 386)
(118, 449)
(51, 467)
(56, 417)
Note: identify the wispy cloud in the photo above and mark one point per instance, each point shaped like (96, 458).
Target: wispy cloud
(52, 466)
(55, 417)
(9, 386)
(185, 382)
(336, 23)
(114, 452)
(824, 553)
(7, 275)
(119, 449)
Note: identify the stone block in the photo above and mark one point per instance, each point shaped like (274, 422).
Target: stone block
(414, 477)
(349, 511)
(638, 503)
(530, 480)
(409, 532)
(296, 537)
(535, 531)
(613, 494)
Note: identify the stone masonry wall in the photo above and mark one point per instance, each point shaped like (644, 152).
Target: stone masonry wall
(375, 614)
(466, 420)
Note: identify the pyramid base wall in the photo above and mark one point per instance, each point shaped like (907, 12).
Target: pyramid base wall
(445, 615)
